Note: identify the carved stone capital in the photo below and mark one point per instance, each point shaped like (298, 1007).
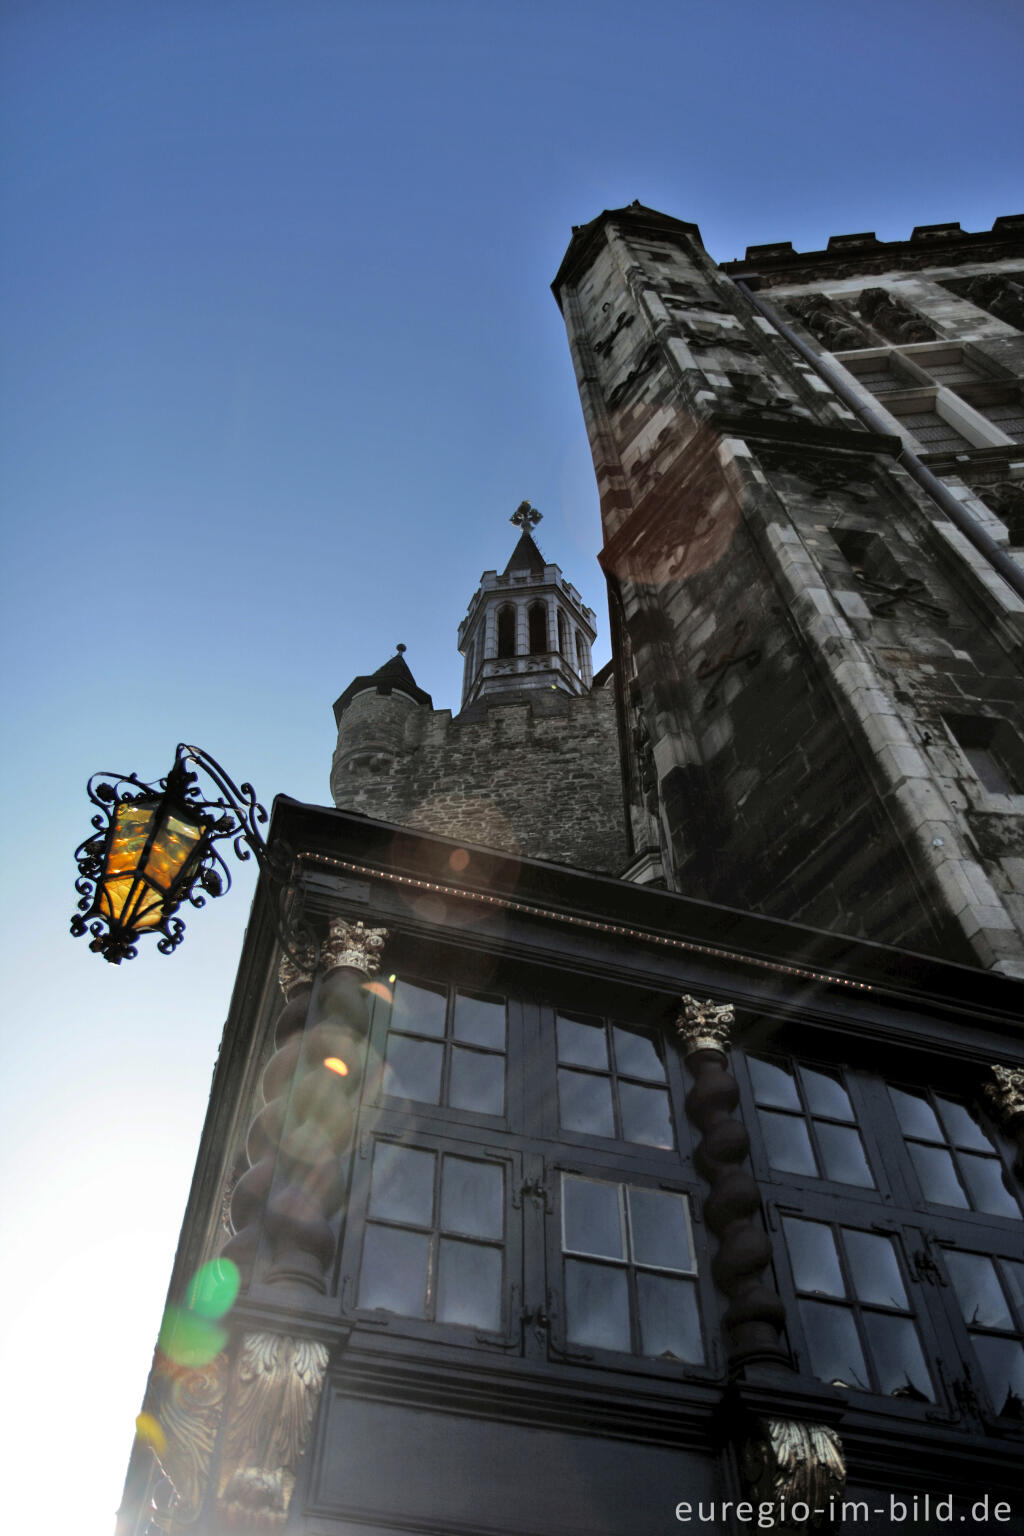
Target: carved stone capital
(1006, 1096)
(791, 1463)
(292, 978)
(354, 945)
(705, 1026)
(187, 1402)
(275, 1393)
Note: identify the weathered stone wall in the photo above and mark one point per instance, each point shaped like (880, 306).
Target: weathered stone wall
(798, 619)
(537, 775)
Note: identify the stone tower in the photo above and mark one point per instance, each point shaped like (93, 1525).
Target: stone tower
(810, 498)
(527, 628)
(531, 762)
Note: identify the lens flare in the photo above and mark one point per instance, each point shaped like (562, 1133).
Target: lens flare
(335, 1064)
(379, 989)
(188, 1339)
(213, 1288)
(150, 1432)
(458, 860)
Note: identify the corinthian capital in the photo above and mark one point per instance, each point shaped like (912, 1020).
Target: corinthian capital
(291, 978)
(1006, 1096)
(705, 1026)
(354, 945)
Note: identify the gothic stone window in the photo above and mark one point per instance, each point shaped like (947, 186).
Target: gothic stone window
(537, 617)
(506, 630)
(993, 750)
(949, 399)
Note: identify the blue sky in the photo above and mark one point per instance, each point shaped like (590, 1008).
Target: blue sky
(280, 360)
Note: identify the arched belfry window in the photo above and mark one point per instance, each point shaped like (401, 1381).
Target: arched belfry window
(563, 635)
(506, 630)
(538, 617)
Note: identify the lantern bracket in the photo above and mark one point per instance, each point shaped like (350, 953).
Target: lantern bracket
(231, 813)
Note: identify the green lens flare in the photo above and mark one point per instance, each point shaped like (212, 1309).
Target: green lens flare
(213, 1289)
(188, 1339)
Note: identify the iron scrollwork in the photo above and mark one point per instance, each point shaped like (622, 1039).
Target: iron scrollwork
(232, 813)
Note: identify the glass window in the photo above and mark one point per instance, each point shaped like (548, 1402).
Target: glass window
(956, 1162)
(612, 1082)
(808, 1122)
(630, 1271)
(990, 1295)
(446, 1049)
(855, 1310)
(434, 1244)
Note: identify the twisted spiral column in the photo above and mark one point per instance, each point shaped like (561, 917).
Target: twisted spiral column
(755, 1317)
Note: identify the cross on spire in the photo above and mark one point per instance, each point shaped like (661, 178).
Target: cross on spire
(526, 517)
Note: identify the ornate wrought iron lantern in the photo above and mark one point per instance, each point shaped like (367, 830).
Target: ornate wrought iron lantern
(153, 849)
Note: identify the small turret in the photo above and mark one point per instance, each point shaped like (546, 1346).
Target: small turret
(527, 628)
(374, 715)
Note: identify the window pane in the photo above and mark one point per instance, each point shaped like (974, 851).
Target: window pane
(978, 1290)
(636, 1054)
(836, 1355)
(812, 1253)
(582, 1042)
(645, 1115)
(480, 1020)
(961, 1128)
(669, 1321)
(1013, 1273)
(772, 1084)
(896, 1352)
(1002, 1365)
(596, 1305)
(915, 1114)
(477, 1082)
(394, 1273)
(412, 1069)
(875, 1269)
(826, 1095)
(472, 1197)
(984, 1178)
(419, 1009)
(788, 1144)
(842, 1152)
(592, 1218)
(659, 1229)
(585, 1103)
(469, 1285)
(402, 1186)
(938, 1177)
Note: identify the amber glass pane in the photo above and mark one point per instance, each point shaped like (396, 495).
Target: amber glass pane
(144, 908)
(113, 895)
(172, 848)
(132, 825)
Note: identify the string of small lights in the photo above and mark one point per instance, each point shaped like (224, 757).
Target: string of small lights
(621, 930)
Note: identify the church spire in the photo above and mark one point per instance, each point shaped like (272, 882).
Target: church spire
(527, 628)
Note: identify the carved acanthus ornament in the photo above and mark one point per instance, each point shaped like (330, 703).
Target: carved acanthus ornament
(789, 1463)
(1006, 1098)
(292, 978)
(705, 1026)
(354, 945)
(275, 1393)
(187, 1402)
